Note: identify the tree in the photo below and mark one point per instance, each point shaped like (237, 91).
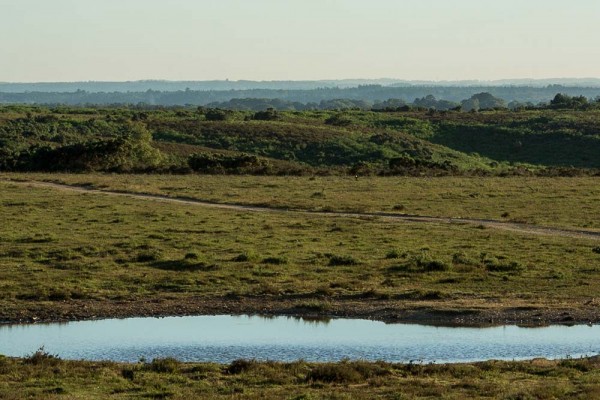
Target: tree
(483, 101)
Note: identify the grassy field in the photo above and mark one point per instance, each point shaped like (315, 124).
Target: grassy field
(43, 377)
(58, 247)
(560, 202)
(69, 255)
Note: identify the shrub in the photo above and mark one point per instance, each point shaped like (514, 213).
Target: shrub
(275, 260)
(241, 365)
(342, 260)
(128, 374)
(347, 372)
(393, 254)
(146, 256)
(191, 256)
(270, 114)
(41, 356)
(462, 259)
(420, 262)
(596, 250)
(435, 265)
(241, 258)
(217, 115)
(163, 365)
(334, 373)
(494, 266)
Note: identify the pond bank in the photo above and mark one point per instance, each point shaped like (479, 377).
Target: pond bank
(473, 313)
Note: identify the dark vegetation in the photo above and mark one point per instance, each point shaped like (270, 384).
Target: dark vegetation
(560, 139)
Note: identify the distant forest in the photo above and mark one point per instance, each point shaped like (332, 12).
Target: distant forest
(303, 95)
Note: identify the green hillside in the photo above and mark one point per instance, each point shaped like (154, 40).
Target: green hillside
(187, 140)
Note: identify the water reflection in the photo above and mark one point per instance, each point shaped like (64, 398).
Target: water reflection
(226, 338)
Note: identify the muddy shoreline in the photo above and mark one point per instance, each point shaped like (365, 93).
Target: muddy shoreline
(314, 308)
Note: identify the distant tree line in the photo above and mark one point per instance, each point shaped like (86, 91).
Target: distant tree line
(364, 96)
(477, 102)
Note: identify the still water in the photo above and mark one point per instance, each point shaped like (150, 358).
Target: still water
(226, 338)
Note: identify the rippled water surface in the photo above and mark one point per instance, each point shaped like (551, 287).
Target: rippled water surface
(226, 338)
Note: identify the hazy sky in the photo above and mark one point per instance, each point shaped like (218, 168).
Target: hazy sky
(70, 40)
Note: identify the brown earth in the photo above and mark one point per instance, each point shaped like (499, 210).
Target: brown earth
(473, 313)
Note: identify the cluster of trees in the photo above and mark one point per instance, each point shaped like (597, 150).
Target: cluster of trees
(132, 151)
(564, 101)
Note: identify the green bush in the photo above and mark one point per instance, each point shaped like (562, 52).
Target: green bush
(494, 266)
(239, 366)
(335, 260)
(393, 254)
(41, 356)
(166, 365)
(346, 372)
(275, 260)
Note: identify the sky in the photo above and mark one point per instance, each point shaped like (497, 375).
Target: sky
(119, 40)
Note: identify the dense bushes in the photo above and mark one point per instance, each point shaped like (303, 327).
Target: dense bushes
(221, 163)
(544, 142)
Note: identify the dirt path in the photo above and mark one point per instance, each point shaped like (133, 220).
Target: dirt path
(507, 226)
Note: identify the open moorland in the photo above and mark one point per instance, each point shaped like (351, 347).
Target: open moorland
(454, 218)
(70, 252)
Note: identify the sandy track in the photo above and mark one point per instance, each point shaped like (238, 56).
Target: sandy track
(507, 226)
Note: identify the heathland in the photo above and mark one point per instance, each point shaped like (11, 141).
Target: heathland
(455, 217)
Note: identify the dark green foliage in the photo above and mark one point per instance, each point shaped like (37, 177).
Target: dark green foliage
(335, 260)
(128, 373)
(339, 120)
(419, 262)
(393, 254)
(275, 260)
(239, 366)
(217, 115)
(435, 265)
(563, 101)
(346, 372)
(41, 357)
(495, 266)
(150, 255)
(430, 102)
(596, 250)
(243, 257)
(270, 114)
(220, 163)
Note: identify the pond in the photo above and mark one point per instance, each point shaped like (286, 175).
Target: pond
(223, 339)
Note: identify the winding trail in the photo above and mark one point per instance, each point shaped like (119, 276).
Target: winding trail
(488, 223)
